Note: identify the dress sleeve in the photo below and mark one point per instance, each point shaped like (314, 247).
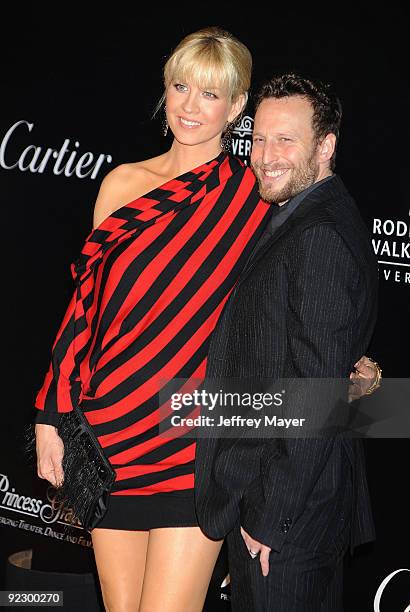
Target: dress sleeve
(61, 389)
(48, 418)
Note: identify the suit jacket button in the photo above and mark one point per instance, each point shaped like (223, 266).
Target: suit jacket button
(285, 525)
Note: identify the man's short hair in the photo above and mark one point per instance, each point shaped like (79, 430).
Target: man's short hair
(327, 109)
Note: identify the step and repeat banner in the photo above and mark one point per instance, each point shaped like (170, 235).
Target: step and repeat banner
(77, 101)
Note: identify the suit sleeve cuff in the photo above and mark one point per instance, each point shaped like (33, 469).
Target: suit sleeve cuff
(262, 528)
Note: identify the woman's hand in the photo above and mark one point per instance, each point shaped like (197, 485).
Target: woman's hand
(364, 377)
(50, 452)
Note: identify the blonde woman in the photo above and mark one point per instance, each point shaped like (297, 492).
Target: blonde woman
(171, 235)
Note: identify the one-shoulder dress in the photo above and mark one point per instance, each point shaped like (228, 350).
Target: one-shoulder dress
(151, 282)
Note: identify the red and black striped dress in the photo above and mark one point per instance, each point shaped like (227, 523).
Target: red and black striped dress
(151, 282)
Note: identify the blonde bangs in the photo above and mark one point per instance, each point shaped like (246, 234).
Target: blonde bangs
(206, 68)
(211, 58)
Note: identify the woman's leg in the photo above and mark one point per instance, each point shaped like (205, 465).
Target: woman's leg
(179, 566)
(120, 558)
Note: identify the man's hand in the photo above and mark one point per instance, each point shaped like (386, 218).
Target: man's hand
(256, 547)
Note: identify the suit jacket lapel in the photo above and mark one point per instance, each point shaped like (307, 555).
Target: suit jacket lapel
(263, 249)
(315, 197)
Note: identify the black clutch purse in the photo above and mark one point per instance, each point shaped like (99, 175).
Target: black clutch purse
(88, 475)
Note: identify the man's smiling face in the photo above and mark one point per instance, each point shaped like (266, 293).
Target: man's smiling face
(285, 152)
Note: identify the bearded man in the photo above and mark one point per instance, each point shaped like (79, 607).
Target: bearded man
(304, 308)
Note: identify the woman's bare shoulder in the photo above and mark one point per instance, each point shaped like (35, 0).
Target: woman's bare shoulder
(123, 184)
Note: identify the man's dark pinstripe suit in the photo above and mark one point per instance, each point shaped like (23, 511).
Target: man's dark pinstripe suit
(305, 306)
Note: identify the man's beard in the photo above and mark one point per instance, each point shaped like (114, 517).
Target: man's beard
(301, 178)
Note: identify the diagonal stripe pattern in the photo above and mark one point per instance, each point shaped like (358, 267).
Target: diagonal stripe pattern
(151, 282)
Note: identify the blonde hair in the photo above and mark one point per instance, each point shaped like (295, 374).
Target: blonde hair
(209, 58)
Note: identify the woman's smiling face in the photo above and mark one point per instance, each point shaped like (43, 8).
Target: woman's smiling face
(198, 115)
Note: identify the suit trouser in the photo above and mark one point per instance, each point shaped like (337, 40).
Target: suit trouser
(299, 580)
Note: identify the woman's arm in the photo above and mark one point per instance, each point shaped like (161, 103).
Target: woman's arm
(61, 389)
(365, 379)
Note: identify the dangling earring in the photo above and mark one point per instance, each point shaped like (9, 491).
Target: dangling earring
(226, 140)
(165, 122)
